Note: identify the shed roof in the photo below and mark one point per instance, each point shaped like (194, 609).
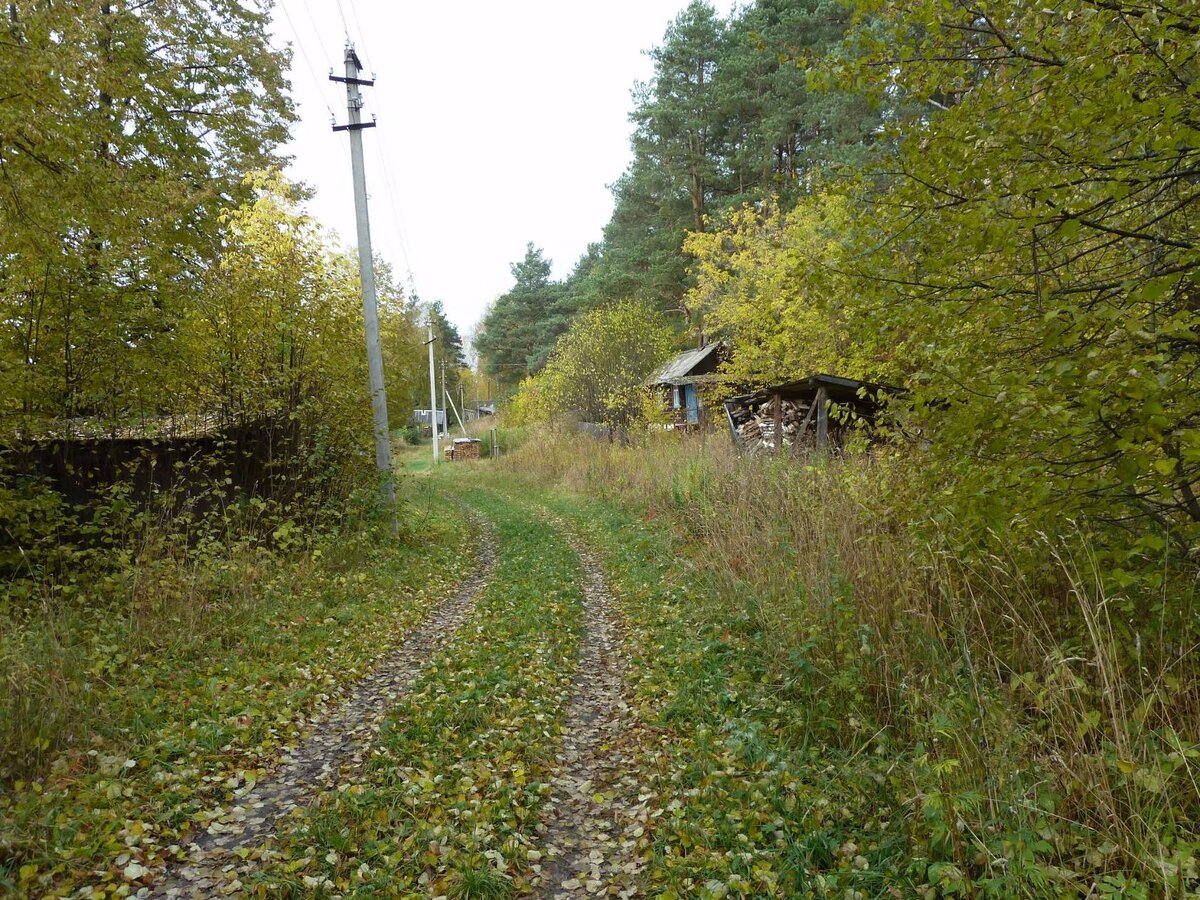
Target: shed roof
(675, 370)
(839, 390)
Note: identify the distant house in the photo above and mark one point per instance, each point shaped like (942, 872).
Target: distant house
(479, 410)
(423, 419)
(678, 382)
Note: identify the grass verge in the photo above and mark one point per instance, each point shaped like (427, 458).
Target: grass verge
(148, 697)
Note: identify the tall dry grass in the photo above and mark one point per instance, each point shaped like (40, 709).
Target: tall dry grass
(1032, 705)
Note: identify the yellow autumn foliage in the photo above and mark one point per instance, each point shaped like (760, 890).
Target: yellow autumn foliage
(598, 369)
(775, 284)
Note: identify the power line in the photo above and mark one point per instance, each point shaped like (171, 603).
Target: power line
(381, 148)
(394, 210)
(317, 31)
(384, 156)
(345, 27)
(307, 61)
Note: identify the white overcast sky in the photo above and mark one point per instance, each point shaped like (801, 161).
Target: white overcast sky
(499, 123)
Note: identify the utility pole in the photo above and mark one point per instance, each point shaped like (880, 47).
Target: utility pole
(366, 270)
(433, 410)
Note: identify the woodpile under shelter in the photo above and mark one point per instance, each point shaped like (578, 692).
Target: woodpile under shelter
(817, 412)
(679, 380)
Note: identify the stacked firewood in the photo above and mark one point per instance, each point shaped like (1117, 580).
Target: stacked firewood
(756, 425)
(463, 448)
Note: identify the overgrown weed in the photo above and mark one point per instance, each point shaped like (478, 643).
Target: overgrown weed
(1048, 721)
(171, 586)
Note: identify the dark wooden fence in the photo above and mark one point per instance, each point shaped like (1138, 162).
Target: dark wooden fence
(256, 459)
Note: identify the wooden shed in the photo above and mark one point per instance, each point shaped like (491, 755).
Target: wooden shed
(817, 412)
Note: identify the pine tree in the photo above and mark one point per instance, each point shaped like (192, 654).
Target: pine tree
(677, 113)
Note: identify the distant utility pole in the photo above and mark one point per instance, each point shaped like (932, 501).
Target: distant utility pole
(433, 410)
(366, 270)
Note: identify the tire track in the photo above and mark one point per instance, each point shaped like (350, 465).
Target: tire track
(229, 846)
(594, 812)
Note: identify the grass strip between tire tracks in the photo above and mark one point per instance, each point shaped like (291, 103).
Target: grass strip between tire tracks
(451, 797)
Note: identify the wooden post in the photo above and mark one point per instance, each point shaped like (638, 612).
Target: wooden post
(778, 425)
(822, 419)
(802, 431)
(732, 428)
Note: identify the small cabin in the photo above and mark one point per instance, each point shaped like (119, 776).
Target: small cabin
(679, 382)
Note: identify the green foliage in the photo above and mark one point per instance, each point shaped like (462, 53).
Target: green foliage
(449, 357)
(119, 156)
(402, 341)
(639, 258)
(774, 284)
(677, 112)
(727, 118)
(276, 330)
(1023, 257)
(598, 369)
(156, 276)
(1033, 247)
(833, 705)
(778, 132)
(270, 338)
(518, 331)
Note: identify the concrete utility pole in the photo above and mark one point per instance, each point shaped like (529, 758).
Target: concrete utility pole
(433, 410)
(366, 270)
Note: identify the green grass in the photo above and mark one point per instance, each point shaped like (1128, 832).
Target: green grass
(752, 803)
(158, 693)
(762, 752)
(414, 460)
(454, 788)
(766, 774)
